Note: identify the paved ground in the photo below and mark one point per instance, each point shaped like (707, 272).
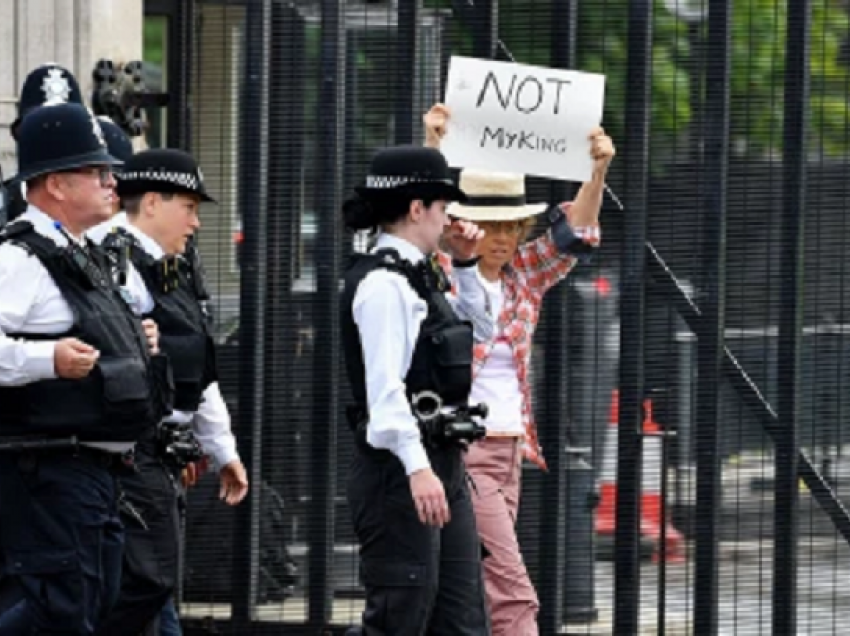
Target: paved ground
(745, 593)
(746, 565)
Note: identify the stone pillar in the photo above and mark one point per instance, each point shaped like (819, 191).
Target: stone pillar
(73, 33)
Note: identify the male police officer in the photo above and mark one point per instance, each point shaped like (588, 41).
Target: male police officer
(161, 191)
(49, 83)
(77, 384)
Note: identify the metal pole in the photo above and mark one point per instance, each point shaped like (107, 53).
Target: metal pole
(695, 64)
(407, 55)
(790, 321)
(327, 365)
(632, 316)
(254, 118)
(748, 392)
(710, 344)
(485, 28)
(566, 583)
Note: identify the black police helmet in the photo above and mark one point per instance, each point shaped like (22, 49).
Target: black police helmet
(414, 170)
(49, 83)
(162, 170)
(60, 137)
(117, 142)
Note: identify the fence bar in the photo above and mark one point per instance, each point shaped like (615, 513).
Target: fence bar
(554, 523)
(786, 489)
(327, 363)
(632, 317)
(407, 56)
(253, 202)
(711, 335)
(483, 22)
(749, 393)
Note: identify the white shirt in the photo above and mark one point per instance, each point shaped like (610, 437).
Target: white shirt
(496, 383)
(30, 302)
(211, 422)
(389, 314)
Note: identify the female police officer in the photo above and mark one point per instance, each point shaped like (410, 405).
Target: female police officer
(405, 344)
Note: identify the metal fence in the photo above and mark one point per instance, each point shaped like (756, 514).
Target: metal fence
(713, 319)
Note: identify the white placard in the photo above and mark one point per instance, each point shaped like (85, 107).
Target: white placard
(523, 119)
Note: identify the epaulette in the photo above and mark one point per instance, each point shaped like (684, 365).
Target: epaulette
(14, 229)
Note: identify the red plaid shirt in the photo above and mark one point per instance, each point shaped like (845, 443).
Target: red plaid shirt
(536, 267)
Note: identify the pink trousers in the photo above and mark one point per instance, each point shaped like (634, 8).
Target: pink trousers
(495, 463)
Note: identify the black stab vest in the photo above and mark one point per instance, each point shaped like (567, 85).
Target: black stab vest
(442, 358)
(184, 328)
(125, 394)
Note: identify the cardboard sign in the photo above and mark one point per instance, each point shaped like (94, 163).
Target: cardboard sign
(522, 119)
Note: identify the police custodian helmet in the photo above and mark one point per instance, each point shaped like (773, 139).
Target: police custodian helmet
(164, 171)
(117, 142)
(60, 137)
(47, 84)
(412, 170)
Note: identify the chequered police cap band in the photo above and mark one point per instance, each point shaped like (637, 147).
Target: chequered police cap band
(380, 182)
(182, 179)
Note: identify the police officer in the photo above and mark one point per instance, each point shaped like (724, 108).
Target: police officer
(117, 142)
(47, 83)
(161, 191)
(409, 361)
(78, 384)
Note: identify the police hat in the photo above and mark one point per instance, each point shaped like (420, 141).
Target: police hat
(412, 171)
(162, 170)
(117, 142)
(60, 137)
(49, 83)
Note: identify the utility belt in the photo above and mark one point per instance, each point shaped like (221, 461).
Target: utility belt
(441, 427)
(32, 448)
(176, 444)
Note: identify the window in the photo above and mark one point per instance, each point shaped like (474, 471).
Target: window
(155, 57)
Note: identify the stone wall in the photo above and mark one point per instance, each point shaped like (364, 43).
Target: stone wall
(72, 33)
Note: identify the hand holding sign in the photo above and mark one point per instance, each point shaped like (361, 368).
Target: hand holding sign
(602, 150)
(522, 119)
(436, 122)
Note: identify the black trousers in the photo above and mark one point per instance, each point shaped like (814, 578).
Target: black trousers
(151, 547)
(419, 579)
(60, 543)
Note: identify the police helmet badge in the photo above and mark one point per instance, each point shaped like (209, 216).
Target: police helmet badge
(55, 86)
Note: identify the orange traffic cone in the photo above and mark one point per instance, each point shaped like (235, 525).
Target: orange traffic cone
(651, 521)
(606, 511)
(651, 504)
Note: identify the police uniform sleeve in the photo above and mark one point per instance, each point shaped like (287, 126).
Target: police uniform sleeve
(389, 314)
(21, 281)
(212, 427)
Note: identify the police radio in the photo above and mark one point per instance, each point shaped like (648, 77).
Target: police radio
(441, 425)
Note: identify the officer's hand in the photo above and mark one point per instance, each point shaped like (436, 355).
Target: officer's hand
(461, 238)
(430, 498)
(234, 483)
(74, 359)
(152, 334)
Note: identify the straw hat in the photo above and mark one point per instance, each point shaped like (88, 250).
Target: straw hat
(494, 196)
